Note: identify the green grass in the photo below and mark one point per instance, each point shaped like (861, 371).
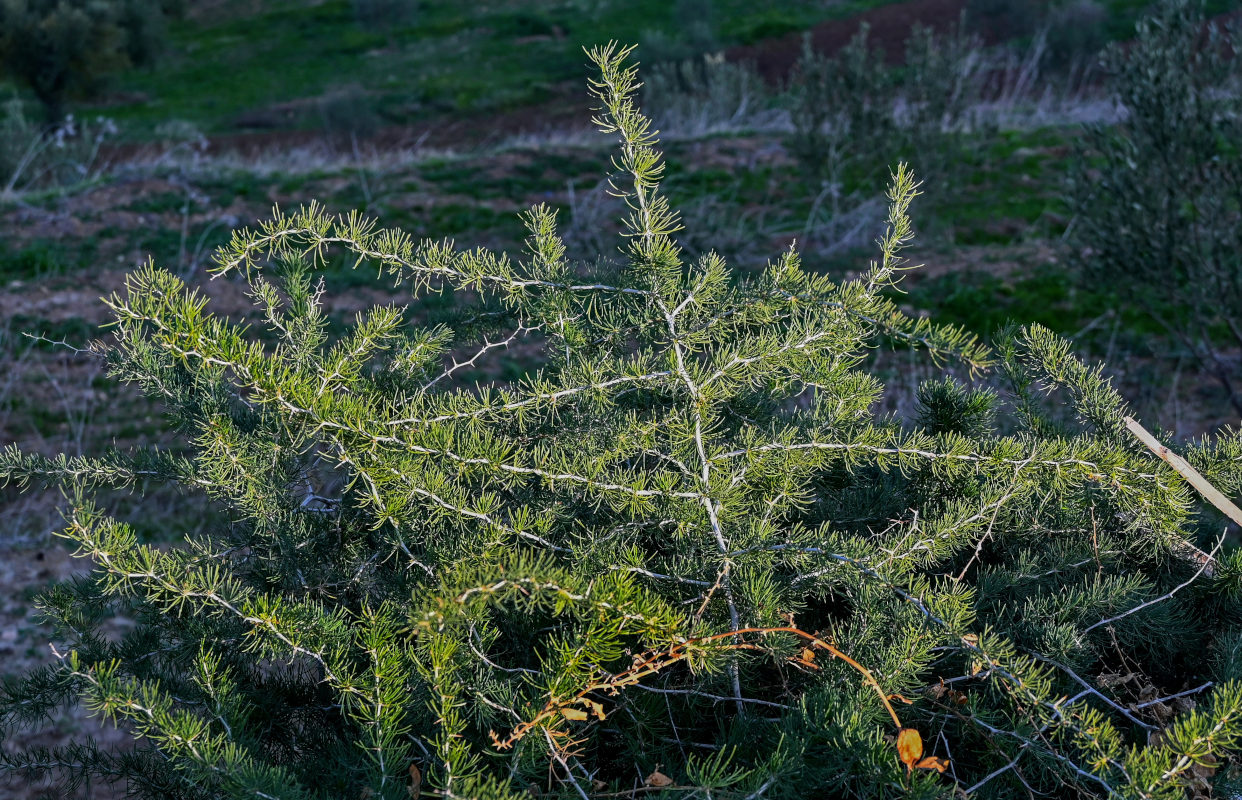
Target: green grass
(1046, 293)
(1002, 188)
(985, 303)
(42, 258)
(161, 203)
(31, 263)
(523, 173)
(1122, 14)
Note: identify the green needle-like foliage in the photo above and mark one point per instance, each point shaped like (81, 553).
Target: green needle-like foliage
(684, 557)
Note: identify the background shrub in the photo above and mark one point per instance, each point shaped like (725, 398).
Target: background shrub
(62, 48)
(693, 33)
(940, 85)
(346, 114)
(700, 94)
(1156, 197)
(853, 114)
(842, 110)
(1076, 33)
(1006, 19)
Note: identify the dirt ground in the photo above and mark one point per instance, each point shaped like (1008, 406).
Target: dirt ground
(25, 644)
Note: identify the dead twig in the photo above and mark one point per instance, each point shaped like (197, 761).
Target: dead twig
(1183, 468)
(1192, 476)
(580, 707)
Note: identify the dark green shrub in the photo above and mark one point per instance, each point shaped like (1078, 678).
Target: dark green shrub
(63, 48)
(691, 33)
(1076, 33)
(854, 115)
(346, 114)
(684, 557)
(1156, 197)
(58, 47)
(842, 110)
(695, 23)
(145, 24)
(1006, 19)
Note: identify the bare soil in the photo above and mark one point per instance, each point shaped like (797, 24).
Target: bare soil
(24, 645)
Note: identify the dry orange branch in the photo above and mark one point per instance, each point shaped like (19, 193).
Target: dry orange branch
(573, 707)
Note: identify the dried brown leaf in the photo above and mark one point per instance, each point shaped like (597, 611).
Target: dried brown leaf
(932, 762)
(416, 782)
(909, 747)
(1110, 679)
(576, 714)
(1203, 771)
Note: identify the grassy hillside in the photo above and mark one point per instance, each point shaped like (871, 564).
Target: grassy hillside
(236, 57)
(259, 64)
